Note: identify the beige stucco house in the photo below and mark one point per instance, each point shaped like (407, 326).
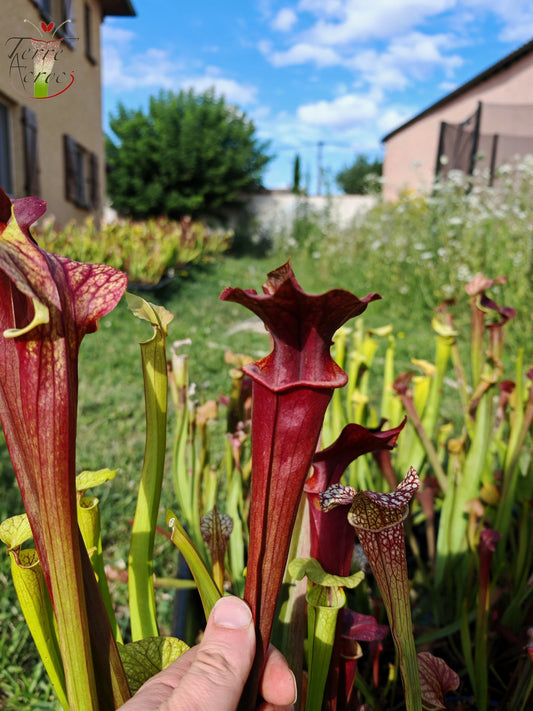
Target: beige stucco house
(487, 120)
(51, 139)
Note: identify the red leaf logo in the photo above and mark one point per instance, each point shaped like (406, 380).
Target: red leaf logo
(47, 28)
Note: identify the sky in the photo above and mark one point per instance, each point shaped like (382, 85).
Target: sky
(325, 79)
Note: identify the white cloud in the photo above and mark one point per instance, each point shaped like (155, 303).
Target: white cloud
(341, 113)
(124, 69)
(323, 7)
(265, 8)
(515, 16)
(394, 116)
(378, 70)
(408, 57)
(346, 125)
(152, 68)
(287, 131)
(156, 69)
(265, 47)
(418, 52)
(303, 53)
(414, 56)
(116, 35)
(340, 23)
(285, 20)
(518, 32)
(259, 113)
(242, 94)
(447, 86)
(340, 31)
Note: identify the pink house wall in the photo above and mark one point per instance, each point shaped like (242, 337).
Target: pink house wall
(411, 154)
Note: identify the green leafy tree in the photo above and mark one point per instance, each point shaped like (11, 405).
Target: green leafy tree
(191, 154)
(357, 178)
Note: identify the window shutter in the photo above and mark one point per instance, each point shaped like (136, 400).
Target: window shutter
(69, 29)
(71, 193)
(45, 8)
(6, 180)
(94, 183)
(32, 184)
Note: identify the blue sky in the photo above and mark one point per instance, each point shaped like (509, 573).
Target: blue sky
(340, 72)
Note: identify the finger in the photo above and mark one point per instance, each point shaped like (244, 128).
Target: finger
(278, 685)
(216, 677)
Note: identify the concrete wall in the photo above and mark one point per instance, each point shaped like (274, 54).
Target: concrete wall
(276, 211)
(411, 154)
(77, 112)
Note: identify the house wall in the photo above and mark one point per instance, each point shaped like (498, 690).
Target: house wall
(76, 113)
(411, 154)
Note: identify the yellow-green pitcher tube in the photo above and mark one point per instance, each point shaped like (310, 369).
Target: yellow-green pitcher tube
(36, 607)
(140, 560)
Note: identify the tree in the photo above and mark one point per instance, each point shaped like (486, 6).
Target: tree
(296, 175)
(192, 154)
(356, 179)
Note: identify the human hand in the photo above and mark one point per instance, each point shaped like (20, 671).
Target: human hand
(211, 675)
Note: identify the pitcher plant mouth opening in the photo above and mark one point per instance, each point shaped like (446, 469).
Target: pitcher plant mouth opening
(378, 521)
(332, 539)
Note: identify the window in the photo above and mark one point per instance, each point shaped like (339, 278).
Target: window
(6, 175)
(81, 175)
(88, 34)
(32, 182)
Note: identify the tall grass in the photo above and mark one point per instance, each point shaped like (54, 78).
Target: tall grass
(422, 250)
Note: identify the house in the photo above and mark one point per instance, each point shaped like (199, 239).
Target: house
(486, 121)
(51, 139)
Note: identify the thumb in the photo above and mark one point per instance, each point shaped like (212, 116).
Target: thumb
(222, 662)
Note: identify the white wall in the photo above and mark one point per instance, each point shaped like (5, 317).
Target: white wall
(277, 211)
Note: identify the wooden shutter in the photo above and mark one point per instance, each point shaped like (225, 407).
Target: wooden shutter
(69, 29)
(32, 183)
(6, 180)
(70, 149)
(94, 183)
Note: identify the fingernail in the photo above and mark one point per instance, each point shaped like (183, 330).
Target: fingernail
(232, 613)
(295, 688)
